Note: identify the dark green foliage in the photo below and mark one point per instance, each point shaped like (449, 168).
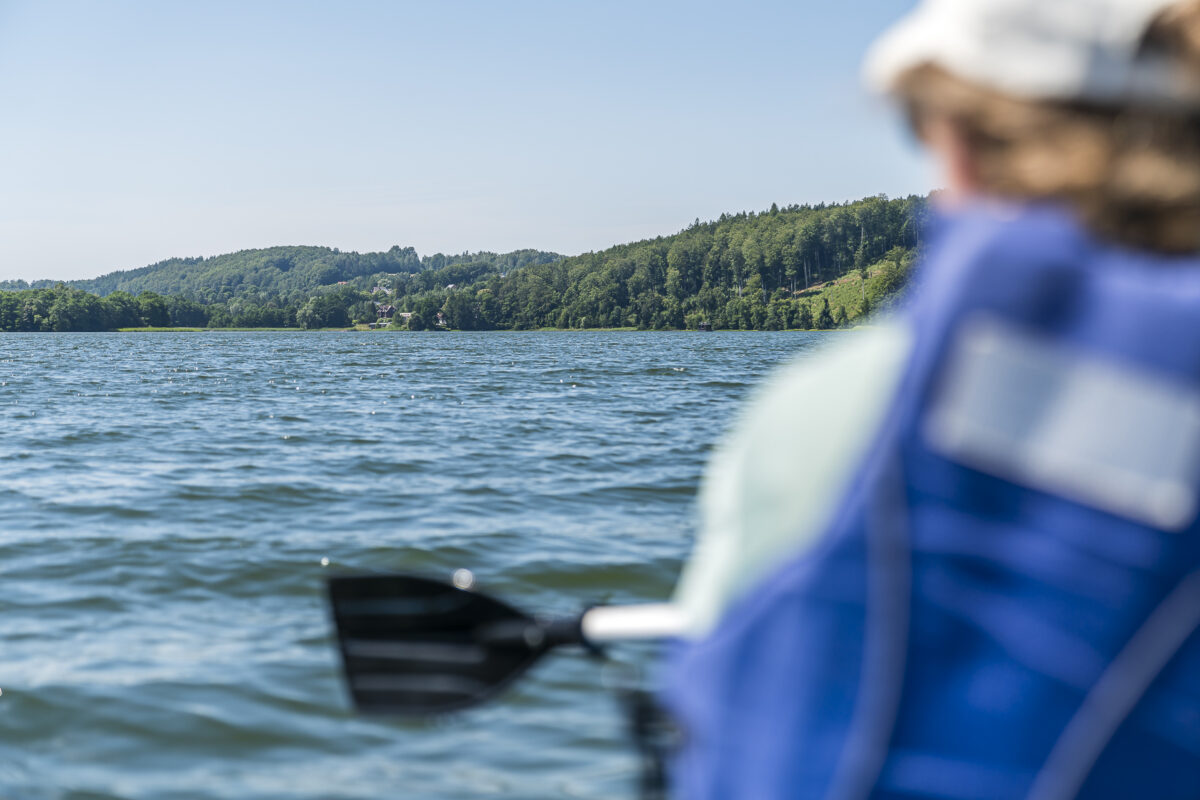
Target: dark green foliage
(427, 308)
(153, 310)
(362, 312)
(894, 274)
(825, 319)
(62, 308)
(284, 271)
(73, 310)
(804, 317)
(462, 311)
(743, 271)
(121, 311)
(331, 309)
(185, 313)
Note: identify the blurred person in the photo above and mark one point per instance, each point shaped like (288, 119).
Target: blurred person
(957, 555)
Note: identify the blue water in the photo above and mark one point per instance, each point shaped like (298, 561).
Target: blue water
(168, 501)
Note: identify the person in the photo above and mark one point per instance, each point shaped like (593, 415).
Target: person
(957, 555)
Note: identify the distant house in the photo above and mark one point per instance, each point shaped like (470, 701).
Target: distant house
(386, 312)
(451, 285)
(342, 283)
(404, 315)
(441, 320)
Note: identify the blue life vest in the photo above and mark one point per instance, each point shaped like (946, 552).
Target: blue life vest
(985, 619)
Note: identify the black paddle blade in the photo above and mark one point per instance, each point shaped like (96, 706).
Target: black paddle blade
(412, 645)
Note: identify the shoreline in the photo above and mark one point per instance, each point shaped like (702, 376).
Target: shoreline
(494, 330)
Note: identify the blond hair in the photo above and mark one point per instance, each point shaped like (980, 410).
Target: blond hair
(1132, 174)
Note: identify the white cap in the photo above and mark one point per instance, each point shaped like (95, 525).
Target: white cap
(1081, 50)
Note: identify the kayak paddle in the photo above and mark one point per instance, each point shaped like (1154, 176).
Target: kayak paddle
(414, 646)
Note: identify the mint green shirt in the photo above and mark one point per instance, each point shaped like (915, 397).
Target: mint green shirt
(773, 485)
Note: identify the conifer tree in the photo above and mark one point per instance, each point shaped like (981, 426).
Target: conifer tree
(804, 320)
(825, 319)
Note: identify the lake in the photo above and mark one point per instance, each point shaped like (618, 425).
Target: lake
(168, 500)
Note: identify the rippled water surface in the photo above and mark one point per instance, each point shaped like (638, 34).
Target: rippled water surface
(167, 500)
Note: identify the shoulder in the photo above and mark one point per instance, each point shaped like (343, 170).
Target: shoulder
(845, 372)
(815, 419)
(773, 485)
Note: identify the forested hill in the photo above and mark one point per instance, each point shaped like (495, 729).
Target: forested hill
(747, 271)
(284, 272)
(810, 266)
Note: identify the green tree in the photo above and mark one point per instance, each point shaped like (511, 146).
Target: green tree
(459, 311)
(153, 310)
(825, 319)
(121, 310)
(186, 313)
(893, 274)
(307, 316)
(804, 317)
(362, 312)
(75, 310)
(777, 316)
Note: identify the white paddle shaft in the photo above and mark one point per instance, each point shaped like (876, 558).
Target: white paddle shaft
(615, 623)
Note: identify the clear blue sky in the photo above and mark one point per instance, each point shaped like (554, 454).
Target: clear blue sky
(137, 131)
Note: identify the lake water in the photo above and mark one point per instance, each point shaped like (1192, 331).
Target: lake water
(167, 500)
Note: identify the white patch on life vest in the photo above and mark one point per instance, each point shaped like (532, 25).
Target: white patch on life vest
(1066, 421)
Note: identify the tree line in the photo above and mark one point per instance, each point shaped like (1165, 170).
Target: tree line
(744, 271)
(65, 308)
(775, 269)
(289, 274)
